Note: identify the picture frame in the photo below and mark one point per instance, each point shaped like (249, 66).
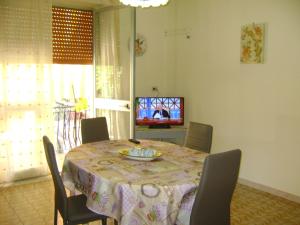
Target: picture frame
(252, 43)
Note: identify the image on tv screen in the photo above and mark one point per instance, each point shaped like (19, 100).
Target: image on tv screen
(159, 110)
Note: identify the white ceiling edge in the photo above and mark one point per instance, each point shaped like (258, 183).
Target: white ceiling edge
(85, 4)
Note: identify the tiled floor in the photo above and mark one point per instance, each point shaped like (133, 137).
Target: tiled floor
(29, 204)
(254, 207)
(32, 204)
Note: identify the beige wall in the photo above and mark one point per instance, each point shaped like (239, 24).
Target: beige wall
(252, 107)
(156, 67)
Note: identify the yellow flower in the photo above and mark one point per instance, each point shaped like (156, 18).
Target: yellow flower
(81, 104)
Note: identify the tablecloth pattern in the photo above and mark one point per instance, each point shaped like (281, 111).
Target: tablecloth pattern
(159, 192)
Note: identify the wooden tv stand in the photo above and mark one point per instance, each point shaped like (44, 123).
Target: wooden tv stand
(175, 134)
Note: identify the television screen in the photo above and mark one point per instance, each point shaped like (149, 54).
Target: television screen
(159, 111)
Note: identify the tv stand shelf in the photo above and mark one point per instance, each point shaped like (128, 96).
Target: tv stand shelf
(174, 134)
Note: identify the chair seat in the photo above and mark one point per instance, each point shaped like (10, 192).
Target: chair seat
(79, 213)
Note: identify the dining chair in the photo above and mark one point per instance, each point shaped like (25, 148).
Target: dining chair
(94, 129)
(72, 209)
(217, 184)
(199, 136)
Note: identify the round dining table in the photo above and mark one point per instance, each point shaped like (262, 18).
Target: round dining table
(136, 192)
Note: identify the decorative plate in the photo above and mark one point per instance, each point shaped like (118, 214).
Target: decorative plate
(140, 45)
(141, 157)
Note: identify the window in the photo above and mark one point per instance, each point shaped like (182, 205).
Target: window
(72, 71)
(72, 36)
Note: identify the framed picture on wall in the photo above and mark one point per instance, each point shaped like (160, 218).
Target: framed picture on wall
(252, 43)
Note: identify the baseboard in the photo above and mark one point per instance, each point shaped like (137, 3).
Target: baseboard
(270, 190)
(26, 181)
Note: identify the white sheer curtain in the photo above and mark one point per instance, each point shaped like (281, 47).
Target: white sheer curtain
(112, 67)
(69, 81)
(25, 91)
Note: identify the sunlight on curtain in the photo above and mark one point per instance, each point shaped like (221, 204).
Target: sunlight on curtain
(112, 67)
(30, 86)
(25, 116)
(25, 112)
(72, 81)
(27, 96)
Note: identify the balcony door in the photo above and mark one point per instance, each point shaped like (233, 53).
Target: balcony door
(114, 83)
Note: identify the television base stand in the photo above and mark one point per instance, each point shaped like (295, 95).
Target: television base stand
(160, 126)
(174, 135)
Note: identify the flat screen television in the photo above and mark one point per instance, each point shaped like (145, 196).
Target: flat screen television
(159, 112)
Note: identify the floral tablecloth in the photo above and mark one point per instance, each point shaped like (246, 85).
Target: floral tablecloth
(159, 192)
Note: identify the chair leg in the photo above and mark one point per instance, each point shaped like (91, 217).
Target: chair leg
(55, 216)
(104, 221)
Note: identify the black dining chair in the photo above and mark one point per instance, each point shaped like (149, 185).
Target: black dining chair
(199, 137)
(217, 184)
(72, 209)
(94, 129)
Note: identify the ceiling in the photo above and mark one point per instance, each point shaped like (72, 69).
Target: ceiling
(85, 4)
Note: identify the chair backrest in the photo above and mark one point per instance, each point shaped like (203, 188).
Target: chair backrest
(94, 129)
(217, 184)
(60, 192)
(199, 136)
